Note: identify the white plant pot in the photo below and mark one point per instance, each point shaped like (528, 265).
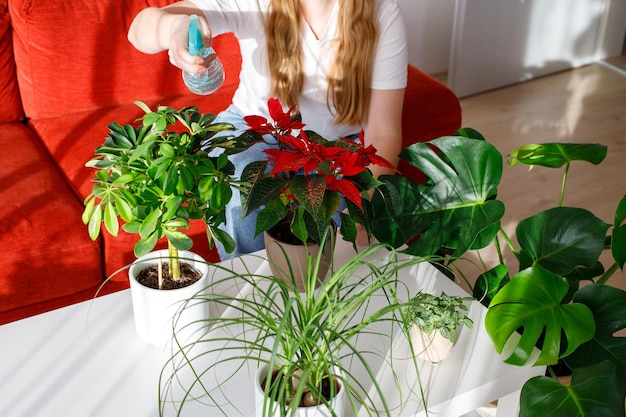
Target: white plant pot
(430, 346)
(155, 310)
(337, 403)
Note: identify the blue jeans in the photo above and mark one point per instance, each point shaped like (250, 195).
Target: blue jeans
(239, 227)
(242, 228)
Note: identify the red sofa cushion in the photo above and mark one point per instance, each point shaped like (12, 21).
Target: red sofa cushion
(62, 71)
(430, 110)
(10, 104)
(37, 207)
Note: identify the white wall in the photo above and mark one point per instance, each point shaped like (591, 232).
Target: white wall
(497, 43)
(429, 31)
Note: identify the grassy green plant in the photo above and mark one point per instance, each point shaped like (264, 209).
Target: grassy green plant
(442, 313)
(307, 335)
(156, 179)
(559, 298)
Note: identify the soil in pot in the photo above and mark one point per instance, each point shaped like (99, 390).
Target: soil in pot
(307, 399)
(149, 277)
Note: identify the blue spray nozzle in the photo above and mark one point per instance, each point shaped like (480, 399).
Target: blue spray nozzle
(194, 38)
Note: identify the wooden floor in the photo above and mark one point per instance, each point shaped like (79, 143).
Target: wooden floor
(585, 105)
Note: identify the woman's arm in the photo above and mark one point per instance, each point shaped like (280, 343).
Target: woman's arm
(154, 30)
(383, 127)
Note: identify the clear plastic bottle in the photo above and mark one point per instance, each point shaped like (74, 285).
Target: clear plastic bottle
(213, 78)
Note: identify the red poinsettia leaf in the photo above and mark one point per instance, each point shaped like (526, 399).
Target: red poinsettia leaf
(285, 161)
(349, 164)
(370, 154)
(350, 191)
(275, 108)
(258, 124)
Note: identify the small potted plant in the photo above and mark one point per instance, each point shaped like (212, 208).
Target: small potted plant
(540, 303)
(155, 179)
(303, 344)
(304, 183)
(434, 323)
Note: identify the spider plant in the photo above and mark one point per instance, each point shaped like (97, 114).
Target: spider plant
(306, 337)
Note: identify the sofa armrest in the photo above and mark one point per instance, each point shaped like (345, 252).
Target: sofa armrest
(430, 110)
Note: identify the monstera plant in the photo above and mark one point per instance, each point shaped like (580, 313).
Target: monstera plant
(556, 296)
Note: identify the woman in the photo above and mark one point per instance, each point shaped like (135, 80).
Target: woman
(343, 64)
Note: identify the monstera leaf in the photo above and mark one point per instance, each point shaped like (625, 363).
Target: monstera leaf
(531, 301)
(608, 305)
(562, 239)
(594, 391)
(456, 208)
(555, 155)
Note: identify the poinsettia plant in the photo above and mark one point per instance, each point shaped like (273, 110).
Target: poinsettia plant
(306, 178)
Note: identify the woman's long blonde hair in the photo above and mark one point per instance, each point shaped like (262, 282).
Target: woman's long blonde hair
(351, 72)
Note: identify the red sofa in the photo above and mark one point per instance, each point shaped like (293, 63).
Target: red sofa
(67, 71)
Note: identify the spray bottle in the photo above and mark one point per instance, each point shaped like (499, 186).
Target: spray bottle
(213, 78)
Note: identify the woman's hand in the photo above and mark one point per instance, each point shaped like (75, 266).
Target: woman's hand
(158, 29)
(178, 52)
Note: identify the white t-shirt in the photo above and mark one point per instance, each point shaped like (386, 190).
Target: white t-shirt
(245, 19)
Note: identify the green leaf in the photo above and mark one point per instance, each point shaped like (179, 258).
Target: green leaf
(124, 209)
(298, 225)
(172, 205)
(132, 227)
(489, 283)
(141, 150)
(167, 150)
(178, 239)
(620, 213)
(110, 219)
(468, 132)
(143, 106)
(531, 301)
(124, 179)
(145, 245)
(593, 392)
(262, 192)
(225, 239)
(94, 222)
(562, 238)
(618, 239)
(269, 216)
(555, 155)
(187, 178)
(348, 227)
(608, 305)
(150, 223)
(89, 209)
(120, 140)
(618, 245)
(455, 209)
(171, 180)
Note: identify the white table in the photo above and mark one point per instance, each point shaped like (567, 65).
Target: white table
(86, 360)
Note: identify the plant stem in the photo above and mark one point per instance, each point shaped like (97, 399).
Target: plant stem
(174, 262)
(509, 244)
(609, 272)
(563, 184)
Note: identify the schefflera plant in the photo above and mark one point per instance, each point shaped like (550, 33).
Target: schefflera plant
(156, 179)
(559, 301)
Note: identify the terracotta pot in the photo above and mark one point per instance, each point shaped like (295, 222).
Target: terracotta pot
(268, 408)
(289, 261)
(154, 310)
(430, 346)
